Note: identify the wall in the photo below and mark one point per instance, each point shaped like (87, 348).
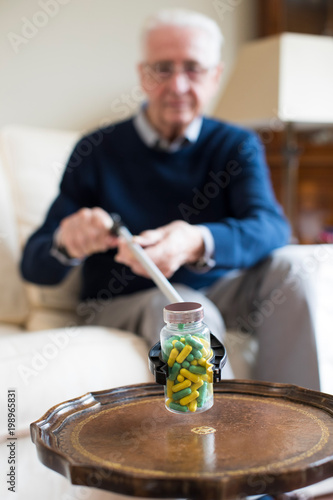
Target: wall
(71, 63)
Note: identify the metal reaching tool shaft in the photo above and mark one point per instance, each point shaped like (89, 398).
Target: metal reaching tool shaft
(155, 274)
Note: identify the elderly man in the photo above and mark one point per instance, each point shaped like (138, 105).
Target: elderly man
(197, 194)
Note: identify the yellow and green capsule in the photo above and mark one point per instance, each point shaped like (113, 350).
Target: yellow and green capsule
(210, 374)
(183, 385)
(202, 362)
(184, 353)
(196, 344)
(174, 371)
(202, 394)
(198, 370)
(181, 394)
(169, 386)
(178, 407)
(196, 353)
(172, 358)
(195, 387)
(191, 376)
(167, 348)
(179, 345)
(189, 398)
(193, 405)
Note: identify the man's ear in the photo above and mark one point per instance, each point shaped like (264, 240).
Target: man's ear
(219, 72)
(216, 78)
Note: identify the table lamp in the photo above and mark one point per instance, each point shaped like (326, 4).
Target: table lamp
(285, 79)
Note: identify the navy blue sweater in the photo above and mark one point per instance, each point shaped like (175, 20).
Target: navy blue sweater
(221, 181)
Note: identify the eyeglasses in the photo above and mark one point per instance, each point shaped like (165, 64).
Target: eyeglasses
(164, 70)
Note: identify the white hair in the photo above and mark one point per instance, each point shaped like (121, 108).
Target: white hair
(186, 18)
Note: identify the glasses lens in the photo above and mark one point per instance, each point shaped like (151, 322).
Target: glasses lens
(194, 70)
(164, 69)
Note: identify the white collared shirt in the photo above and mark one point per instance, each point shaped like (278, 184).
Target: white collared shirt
(153, 139)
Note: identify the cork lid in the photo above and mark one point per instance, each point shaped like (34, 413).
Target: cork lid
(183, 312)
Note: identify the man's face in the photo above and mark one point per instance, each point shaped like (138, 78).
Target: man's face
(176, 97)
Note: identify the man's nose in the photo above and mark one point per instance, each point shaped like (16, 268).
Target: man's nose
(179, 82)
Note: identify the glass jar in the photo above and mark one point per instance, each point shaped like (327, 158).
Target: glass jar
(185, 347)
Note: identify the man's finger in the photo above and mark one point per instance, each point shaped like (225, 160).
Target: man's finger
(111, 241)
(101, 218)
(149, 237)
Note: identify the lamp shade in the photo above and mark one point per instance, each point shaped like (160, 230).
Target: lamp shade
(288, 77)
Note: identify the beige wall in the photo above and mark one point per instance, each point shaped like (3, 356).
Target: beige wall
(71, 63)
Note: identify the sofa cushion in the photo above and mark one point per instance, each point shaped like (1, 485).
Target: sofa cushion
(48, 367)
(62, 298)
(48, 318)
(33, 160)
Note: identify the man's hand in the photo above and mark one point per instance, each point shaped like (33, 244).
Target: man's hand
(170, 247)
(85, 232)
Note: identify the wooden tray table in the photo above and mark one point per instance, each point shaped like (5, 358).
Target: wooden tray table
(257, 438)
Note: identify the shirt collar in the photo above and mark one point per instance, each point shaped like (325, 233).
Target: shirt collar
(152, 138)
